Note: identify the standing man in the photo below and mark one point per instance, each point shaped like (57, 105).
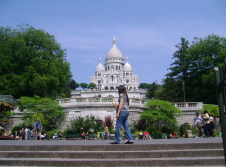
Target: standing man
(198, 125)
(36, 125)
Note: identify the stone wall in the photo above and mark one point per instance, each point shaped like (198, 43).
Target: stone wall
(101, 109)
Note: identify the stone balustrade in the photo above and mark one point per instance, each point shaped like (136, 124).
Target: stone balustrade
(184, 106)
(95, 100)
(189, 106)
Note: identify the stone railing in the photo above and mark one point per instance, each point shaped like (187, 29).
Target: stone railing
(184, 106)
(189, 106)
(95, 100)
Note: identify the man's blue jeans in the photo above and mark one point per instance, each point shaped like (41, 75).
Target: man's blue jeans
(122, 122)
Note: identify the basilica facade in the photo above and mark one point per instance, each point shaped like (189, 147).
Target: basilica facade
(114, 72)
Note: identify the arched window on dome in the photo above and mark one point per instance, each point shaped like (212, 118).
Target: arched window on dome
(108, 67)
(116, 67)
(112, 88)
(99, 74)
(119, 67)
(106, 88)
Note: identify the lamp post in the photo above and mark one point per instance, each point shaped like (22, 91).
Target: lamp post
(183, 90)
(221, 102)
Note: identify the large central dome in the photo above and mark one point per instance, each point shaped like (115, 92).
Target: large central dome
(114, 52)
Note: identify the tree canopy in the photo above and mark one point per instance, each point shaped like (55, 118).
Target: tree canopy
(211, 109)
(192, 72)
(74, 85)
(44, 110)
(92, 86)
(143, 86)
(84, 85)
(32, 63)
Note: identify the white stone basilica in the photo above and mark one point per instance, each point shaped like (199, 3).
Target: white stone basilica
(114, 72)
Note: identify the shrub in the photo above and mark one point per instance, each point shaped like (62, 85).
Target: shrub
(184, 127)
(158, 117)
(82, 124)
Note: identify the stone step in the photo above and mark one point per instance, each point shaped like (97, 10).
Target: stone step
(113, 154)
(141, 162)
(106, 147)
(182, 152)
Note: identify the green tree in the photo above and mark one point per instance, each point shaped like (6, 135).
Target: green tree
(158, 93)
(180, 66)
(92, 86)
(173, 84)
(211, 109)
(45, 110)
(143, 86)
(159, 117)
(84, 85)
(74, 85)
(169, 90)
(192, 72)
(204, 55)
(152, 89)
(32, 63)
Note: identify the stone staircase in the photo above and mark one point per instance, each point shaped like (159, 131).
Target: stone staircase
(106, 155)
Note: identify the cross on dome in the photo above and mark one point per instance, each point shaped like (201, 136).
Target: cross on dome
(127, 59)
(114, 52)
(114, 41)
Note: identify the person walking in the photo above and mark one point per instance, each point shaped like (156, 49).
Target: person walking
(122, 117)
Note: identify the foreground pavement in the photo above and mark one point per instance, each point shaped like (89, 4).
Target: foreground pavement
(105, 142)
(181, 152)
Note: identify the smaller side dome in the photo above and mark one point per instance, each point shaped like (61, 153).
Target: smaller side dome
(127, 66)
(99, 67)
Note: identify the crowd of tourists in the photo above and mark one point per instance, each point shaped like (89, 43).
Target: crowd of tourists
(27, 134)
(204, 124)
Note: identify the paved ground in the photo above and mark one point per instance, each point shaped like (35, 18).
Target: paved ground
(104, 142)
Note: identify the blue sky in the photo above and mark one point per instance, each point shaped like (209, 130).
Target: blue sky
(146, 31)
